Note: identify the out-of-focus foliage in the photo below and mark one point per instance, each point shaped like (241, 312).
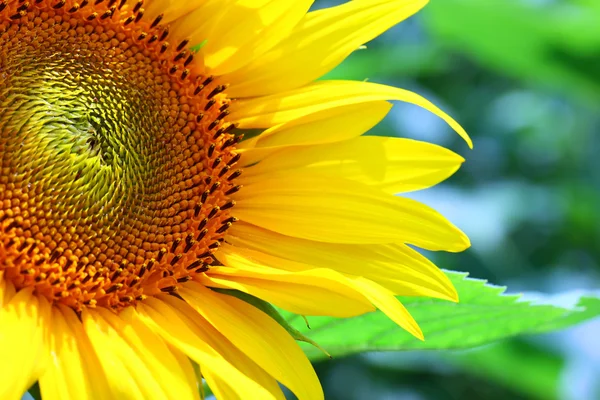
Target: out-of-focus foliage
(523, 77)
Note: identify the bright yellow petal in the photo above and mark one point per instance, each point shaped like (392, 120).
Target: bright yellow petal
(136, 361)
(154, 353)
(326, 126)
(74, 371)
(239, 31)
(223, 346)
(223, 377)
(196, 26)
(268, 111)
(253, 27)
(321, 41)
(259, 337)
(385, 301)
(170, 9)
(126, 371)
(391, 164)
(306, 292)
(271, 285)
(24, 321)
(188, 368)
(399, 268)
(341, 211)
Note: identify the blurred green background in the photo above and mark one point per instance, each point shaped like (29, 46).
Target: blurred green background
(523, 78)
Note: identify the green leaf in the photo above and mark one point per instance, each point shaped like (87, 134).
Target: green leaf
(483, 315)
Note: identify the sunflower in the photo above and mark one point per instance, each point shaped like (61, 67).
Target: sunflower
(134, 213)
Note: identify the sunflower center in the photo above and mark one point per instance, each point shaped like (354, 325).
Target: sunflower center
(116, 159)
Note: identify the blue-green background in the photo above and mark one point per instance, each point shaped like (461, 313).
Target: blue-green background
(523, 78)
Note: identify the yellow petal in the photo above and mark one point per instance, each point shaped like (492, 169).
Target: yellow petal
(268, 111)
(136, 361)
(321, 41)
(170, 9)
(399, 268)
(126, 372)
(239, 31)
(179, 330)
(24, 321)
(196, 26)
(252, 28)
(391, 164)
(255, 279)
(259, 337)
(306, 292)
(223, 346)
(341, 211)
(326, 126)
(74, 371)
(385, 301)
(154, 353)
(188, 368)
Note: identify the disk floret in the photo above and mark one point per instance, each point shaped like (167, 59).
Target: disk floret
(117, 158)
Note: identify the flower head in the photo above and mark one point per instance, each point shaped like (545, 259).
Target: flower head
(129, 198)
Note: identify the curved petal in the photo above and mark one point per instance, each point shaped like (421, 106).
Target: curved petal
(239, 31)
(321, 41)
(393, 165)
(385, 301)
(196, 27)
(223, 346)
(268, 111)
(74, 371)
(24, 320)
(341, 211)
(155, 354)
(399, 268)
(326, 126)
(306, 291)
(258, 336)
(260, 26)
(188, 369)
(183, 331)
(255, 280)
(136, 361)
(125, 367)
(170, 9)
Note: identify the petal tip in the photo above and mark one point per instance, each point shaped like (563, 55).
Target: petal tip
(462, 243)
(418, 333)
(453, 295)
(466, 241)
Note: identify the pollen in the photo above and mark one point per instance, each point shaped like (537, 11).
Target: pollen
(117, 157)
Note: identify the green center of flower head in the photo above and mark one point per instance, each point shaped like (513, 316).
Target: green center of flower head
(117, 164)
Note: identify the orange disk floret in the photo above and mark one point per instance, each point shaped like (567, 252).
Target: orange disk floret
(117, 160)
